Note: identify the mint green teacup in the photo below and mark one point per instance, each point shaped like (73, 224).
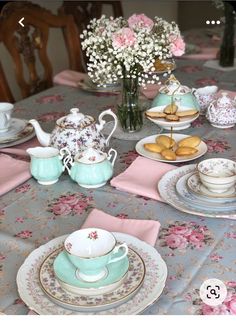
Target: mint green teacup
(90, 250)
(46, 165)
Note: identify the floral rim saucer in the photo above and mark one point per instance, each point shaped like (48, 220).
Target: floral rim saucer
(195, 185)
(65, 273)
(167, 190)
(201, 203)
(153, 285)
(26, 134)
(16, 126)
(95, 302)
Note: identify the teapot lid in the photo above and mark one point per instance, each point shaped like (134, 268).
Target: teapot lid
(173, 86)
(90, 156)
(75, 120)
(224, 100)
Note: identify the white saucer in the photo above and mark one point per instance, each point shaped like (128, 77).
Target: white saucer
(196, 186)
(17, 125)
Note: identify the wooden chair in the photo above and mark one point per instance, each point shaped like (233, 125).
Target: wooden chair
(24, 42)
(5, 92)
(84, 11)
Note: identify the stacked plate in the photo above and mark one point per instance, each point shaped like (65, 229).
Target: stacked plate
(183, 189)
(49, 284)
(19, 132)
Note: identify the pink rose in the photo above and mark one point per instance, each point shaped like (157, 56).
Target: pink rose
(123, 38)
(177, 46)
(24, 234)
(80, 206)
(232, 305)
(176, 241)
(180, 230)
(196, 237)
(210, 310)
(231, 284)
(70, 199)
(140, 21)
(61, 209)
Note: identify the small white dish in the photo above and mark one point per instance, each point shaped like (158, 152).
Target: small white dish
(183, 123)
(217, 174)
(16, 126)
(23, 136)
(195, 185)
(202, 149)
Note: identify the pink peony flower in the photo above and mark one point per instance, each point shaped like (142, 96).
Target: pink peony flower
(70, 200)
(123, 38)
(140, 21)
(210, 310)
(177, 46)
(231, 284)
(176, 241)
(183, 230)
(61, 209)
(232, 305)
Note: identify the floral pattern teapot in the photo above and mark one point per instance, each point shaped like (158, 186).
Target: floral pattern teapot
(221, 113)
(76, 131)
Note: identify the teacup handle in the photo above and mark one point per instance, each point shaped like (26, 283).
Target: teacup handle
(110, 155)
(102, 123)
(67, 160)
(116, 249)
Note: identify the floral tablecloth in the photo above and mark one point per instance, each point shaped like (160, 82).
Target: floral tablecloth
(194, 248)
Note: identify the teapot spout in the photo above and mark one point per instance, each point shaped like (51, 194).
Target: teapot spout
(43, 138)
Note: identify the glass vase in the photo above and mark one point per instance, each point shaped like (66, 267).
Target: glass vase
(130, 112)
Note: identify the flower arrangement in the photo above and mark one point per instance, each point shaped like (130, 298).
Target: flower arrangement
(120, 48)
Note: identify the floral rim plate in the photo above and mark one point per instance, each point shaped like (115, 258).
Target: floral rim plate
(26, 134)
(195, 186)
(202, 149)
(183, 123)
(95, 302)
(203, 203)
(17, 125)
(154, 282)
(167, 190)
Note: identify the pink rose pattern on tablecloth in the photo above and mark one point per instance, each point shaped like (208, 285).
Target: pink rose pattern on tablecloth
(227, 307)
(50, 99)
(182, 235)
(51, 116)
(23, 188)
(128, 157)
(217, 146)
(70, 204)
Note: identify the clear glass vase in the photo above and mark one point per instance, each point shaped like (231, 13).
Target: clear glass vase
(130, 112)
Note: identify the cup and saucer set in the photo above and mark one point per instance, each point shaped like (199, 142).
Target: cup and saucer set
(206, 189)
(92, 271)
(13, 131)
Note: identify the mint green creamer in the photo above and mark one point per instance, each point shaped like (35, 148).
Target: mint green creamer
(46, 165)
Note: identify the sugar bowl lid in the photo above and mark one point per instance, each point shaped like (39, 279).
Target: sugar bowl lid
(75, 120)
(90, 156)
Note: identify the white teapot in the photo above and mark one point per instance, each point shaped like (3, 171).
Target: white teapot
(221, 113)
(76, 131)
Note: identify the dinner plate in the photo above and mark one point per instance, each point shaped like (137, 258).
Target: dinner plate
(92, 301)
(26, 134)
(182, 123)
(167, 190)
(202, 204)
(154, 282)
(195, 185)
(202, 149)
(17, 125)
(88, 85)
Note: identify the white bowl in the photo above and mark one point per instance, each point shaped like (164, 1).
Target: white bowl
(217, 174)
(184, 123)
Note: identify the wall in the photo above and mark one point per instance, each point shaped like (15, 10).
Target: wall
(166, 9)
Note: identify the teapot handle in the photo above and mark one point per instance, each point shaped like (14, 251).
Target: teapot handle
(67, 160)
(102, 123)
(110, 155)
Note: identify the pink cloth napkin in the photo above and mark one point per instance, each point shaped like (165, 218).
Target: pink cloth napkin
(150, 91)
(21, 148)
(141, 177)
(69, 78)
(13, 172)
(145, 230)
